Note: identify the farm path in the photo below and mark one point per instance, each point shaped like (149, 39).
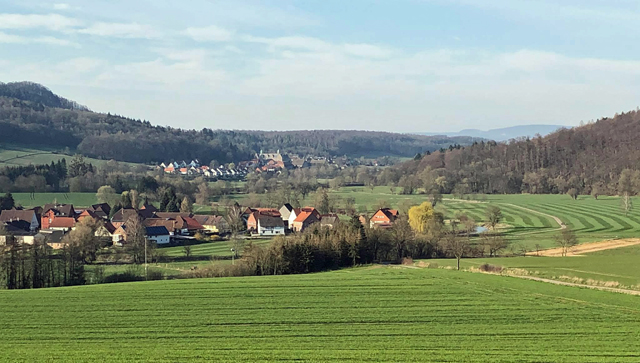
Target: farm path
(590, 247)
(556, 282)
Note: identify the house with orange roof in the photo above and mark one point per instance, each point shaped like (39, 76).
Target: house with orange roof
(383, 218)
(304, 220)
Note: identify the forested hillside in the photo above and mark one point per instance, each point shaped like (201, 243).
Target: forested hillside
(586, 159)
(30, 114)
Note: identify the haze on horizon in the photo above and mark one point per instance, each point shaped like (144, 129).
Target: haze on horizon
(402, 66)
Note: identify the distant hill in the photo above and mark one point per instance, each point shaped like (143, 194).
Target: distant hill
(32, 115)
(588, 159)
(38, 94)
(505, 133)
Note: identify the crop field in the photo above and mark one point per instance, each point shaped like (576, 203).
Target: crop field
(617, 267)
(40, 199)
(365, 314)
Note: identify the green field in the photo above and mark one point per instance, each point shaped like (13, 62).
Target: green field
(617, 267)
(365, 314)
(40, 199)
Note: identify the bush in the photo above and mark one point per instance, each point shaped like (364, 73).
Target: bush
(407, 261)
(490, 268)
(239, 269)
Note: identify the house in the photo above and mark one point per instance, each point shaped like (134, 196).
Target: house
(54, 211)
(304, 220)
(148, 207)
(212, 224)
(102, 210)
(329, 220)
(62, 224)
(29, 217)
(187, 225)
(169, 224)
(160, 235)
(285, 213)
(52, 238)
(295, 212)
(269, 225)
(170, 169)
(383, 218)
(123, 215)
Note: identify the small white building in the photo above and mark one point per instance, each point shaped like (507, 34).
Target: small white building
(270, 226)
(160, 235)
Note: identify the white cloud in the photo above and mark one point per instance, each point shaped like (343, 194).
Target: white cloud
(18, 39)
(210, 33)
(27, 21)
(61, 6)
(292, 42)
(122, 30)
(367, 50)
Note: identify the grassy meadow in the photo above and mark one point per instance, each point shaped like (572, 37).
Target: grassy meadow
(617, 267)
(364, 314)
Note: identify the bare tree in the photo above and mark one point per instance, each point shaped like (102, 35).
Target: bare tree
(566, 239)
(457, 245)
(494, 216)
(494, 242)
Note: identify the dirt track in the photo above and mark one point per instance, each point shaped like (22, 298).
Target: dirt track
(589, 247)
(556, 282)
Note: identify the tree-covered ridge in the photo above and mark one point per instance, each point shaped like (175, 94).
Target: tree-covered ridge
(587, 160)
(34, 117)
(38, 94)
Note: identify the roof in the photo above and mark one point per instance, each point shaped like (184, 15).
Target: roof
(269, 221)
(157, 222)
(391, 214)
(187, 223)
(63, 210)
(62, 222)
(124, 215)
(207, 220)
(109, 227)
(102, 210)
(17, 215)
(302, 216)
(172, 215)
(329, 219)
(156, 231)
(17, 226)
(89, 213)
(287, 206)
(149, 207)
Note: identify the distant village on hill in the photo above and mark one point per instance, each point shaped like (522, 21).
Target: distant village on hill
(262, 163)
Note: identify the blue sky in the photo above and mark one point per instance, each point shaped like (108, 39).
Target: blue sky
(402, 65)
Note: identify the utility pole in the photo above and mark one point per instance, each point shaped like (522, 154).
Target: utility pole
(146, 275)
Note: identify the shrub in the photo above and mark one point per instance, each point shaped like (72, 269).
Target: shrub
(407, 261)
(490, 268)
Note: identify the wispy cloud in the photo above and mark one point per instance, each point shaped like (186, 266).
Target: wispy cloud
(18, 39)
(122, 30)
(28, 21)
(210, 33)
(61, 6)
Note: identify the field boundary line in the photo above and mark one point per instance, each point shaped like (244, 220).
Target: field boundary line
(563, 283)
(589, 247)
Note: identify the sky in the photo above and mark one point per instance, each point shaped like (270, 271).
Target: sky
(385, 65)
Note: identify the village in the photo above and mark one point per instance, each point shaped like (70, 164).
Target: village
(261, 163)
(50, 223)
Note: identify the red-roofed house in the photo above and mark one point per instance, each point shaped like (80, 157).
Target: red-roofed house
(383, 218)
(304, 220)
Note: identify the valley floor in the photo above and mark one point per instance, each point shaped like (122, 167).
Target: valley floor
(378, 313)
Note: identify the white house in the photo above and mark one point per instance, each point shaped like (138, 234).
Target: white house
(159, 235)
(269, 225)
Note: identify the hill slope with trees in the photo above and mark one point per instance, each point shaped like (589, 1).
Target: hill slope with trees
(589, 159)
(31, 114)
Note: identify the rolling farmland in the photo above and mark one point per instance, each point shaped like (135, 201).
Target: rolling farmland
(364, 314)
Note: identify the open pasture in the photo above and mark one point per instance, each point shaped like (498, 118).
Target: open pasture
(617, 267)
(39, 199)
(365, 314)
